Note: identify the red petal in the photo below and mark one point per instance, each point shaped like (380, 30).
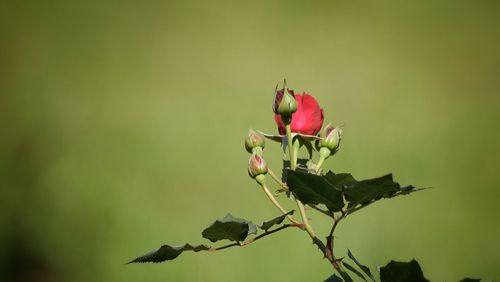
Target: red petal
(280, 123)
(308, 119)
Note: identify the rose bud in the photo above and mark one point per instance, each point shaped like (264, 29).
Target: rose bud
(257, 168)
(330, 138)
(307, 119)
(284, 103)
(254, 142)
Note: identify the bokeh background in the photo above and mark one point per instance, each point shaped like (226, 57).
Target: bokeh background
(122, 125)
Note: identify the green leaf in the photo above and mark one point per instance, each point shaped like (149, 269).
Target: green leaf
(365, 269)
(167, 252)
(334, 278)
(275, 221)
(303, 165)
(314, 189)
(365, 191)
(354, 270)
(230, 228)
(470, 280)
(331, 189)
(396, 271)
(340, 180)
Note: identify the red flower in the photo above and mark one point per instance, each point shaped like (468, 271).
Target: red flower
(308, 118)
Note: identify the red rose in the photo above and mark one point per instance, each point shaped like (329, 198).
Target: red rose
(308, 118)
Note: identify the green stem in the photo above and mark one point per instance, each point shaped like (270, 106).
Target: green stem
(241, 244)
(277, 204)
(320, 163)
(276, 178)
(324, 153)
(293, 166)
(305, 220)
(296, 147)
(316, 241)
(293, 157)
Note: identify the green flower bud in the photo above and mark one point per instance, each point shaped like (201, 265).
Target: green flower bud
(257, 166)
(254, 142)
(284, 103)
(330, 139)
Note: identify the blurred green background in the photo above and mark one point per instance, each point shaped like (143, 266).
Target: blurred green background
(121, 128)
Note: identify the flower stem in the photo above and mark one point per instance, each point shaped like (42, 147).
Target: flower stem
(296, 146)
(293, 157)
(276, 178)
(277, 204)
(324, 153)
(293, 166)
(320, 163)
(305, 220)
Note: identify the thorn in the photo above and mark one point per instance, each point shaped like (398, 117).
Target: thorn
(339, 259)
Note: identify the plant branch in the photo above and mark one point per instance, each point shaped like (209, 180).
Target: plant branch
(293, 158)
(250, 241)
(330, 236)
(293, 166)
(305, 220)
(277, 204)
(296, 147)
(306, 225)
(329, 248)
(276, 178)
(315, 239)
